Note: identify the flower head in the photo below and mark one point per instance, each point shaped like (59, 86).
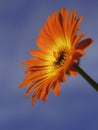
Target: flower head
(59, 51)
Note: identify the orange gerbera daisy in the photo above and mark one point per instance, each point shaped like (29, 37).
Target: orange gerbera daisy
(59, 51)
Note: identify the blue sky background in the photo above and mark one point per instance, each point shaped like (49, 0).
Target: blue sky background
(77, 106)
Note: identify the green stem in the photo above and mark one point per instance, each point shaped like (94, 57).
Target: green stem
(87, 77)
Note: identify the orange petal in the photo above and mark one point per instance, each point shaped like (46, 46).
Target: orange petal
(44, 43)
(37, 94)
(64, 16)
(42, 81)
(49, 25)
(71, 20)
(62, 76)
(42, 91)
(32, 88)
(35, 74)
(44, 98)
(77, 38)
(84, 44)
(32, 62)
(38, 54)
(32, 78)
(50, 28)
(38, 67)
(59, 31)
(78, 53)
(76, 25)
(21, 85)
(72, 71)
(56, 88)
(33, 99)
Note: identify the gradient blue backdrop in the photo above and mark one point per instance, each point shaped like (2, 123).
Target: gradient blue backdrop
(77, 106)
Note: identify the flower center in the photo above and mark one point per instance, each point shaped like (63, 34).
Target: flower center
(60, 58)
